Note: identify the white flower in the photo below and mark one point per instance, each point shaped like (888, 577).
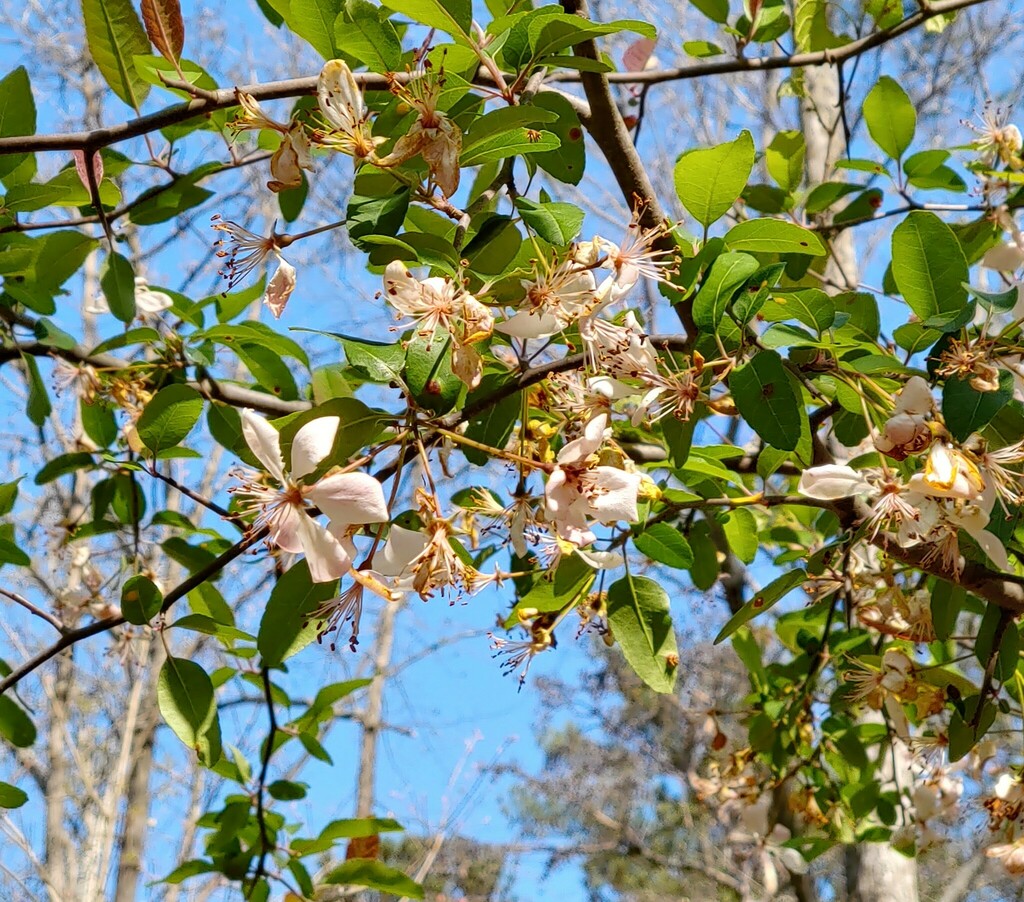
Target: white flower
(830, 482)
(580, 491)
(147, 301)
(341, 102)
(291, 156)
(554, 300)
(246, 252)
(347, 499)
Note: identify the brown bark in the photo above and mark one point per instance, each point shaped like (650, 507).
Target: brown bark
(372, 715)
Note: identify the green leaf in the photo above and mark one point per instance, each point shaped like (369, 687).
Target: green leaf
(357, 828)
(191, 868)
(313, 20)
(810, 25)
(115, 36)
(370, 37)
(567, 162)
(890, 117)
(727, 274)
(773, 236)
(367, 216)
(740, 528)
(514, 142)
(765, 398)
(784, 158)
(774, 592)
(666, 545)
(140, 600)
(452, 16)
(715, 10)
(997, 301)
(556, 223)
(638, 613)
(62, 465)
(967, 410)
(185, 697)
(287, 627)
(373, 874)
(428, 372)
(493, 425)
(701, 49)
(17, 118)
(928, 265)
(572, 579)
(98, 422)
(15, 725)
(709, 180)
(37, 405)
(117, 281)
(287, 791)
(378, 362)
(827, 193)
(169, 417)
(8, 495)
(811, 306)
(11, 796)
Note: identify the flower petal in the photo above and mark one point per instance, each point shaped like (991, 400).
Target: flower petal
(265, 442)
(581, 448)
(285, 525)
(280, 288)
(339, 97)
(312, 443)
(617, 497)
(327, 557)
(349, 498)
(529, 324)
(402, 547)
(831, 481)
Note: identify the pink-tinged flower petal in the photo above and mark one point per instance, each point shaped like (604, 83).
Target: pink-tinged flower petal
(617, 497)
(831, 481)
(1006, 257)
(528, 324)
(312, 443)
(401, 549)
(578, 450)
(265, 442)
(285, 525)
(280, 288)
(327, 558)
(349, 498)
(637, 54)
(578, 536)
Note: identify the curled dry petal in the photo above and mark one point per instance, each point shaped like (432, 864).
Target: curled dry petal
(280, 288)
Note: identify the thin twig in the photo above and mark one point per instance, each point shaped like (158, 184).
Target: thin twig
(55, 622)
(261, 815)
(70, 637)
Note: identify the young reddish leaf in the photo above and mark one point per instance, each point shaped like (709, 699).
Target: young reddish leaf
(83, 173)
(164, 26)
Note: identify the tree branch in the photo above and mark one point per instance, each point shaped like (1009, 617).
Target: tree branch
(101, 626)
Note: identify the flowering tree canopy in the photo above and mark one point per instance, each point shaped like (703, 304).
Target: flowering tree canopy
(559, 420)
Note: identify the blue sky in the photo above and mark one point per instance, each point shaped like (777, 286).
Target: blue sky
(448, 699)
